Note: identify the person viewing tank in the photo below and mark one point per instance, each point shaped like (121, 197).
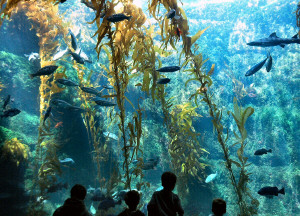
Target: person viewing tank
(218, 207)
(165, 202)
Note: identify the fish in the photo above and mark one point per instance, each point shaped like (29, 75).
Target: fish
(270, 191)
(56, 187)
(211, 177)
(83, 55)
(274, 40)
(98, 195)
(104, 103)
(150, 163)
(66, 82)
(171, 14)
(118, 17)
(108, 203)
(73, 40)
(77, 57)
(168, 69)
(47, 70)
(90, 90)
(107, 87)
(59, 124)
(110, 135)
(269, 63)
(47, 113)
(32, 56)
(163, 81)
(88, 4)
(65, 105)
(262, 151)
(92, 209)
(10, 113)
(6, 102)
(60, 54)
(67, 161)
(256, 68)
(178, 32)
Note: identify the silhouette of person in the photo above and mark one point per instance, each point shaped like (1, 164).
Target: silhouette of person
(74, 206)
(218, 207)
(165, 202)
(132, 199)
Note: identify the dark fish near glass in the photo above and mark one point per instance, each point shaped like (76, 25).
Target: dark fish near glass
(77, 57)
(73, 40)
(118, 17)
(90, 90)
(104, 103)
(163, 81)
(47, 70)
(171, 14)
(256, 68)
(168, 69)
(47, 113)
(10, 113)
(262, 151)
(66, 82)
(269, 63)
(270, 191)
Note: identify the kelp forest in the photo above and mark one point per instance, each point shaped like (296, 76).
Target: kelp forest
(135, 120)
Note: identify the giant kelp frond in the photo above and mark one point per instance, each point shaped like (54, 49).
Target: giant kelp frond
(15, 151)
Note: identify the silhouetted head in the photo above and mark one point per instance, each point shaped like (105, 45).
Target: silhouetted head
(78, 191)
(168, 181)
(132, 199)
(219, 207)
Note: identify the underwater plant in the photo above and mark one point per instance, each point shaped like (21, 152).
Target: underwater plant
(15, 151)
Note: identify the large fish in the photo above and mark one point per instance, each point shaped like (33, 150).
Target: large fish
(90, 90)
(65, 105)
(270, 191)
(163, 81)
(104, 103)
(10, 113)
(47, 70)
(118, 17)
(168, 69)
(66, 82)
(262, 151)
(256, 68)
(211, 177)
(274, 40)
(77, 57)
(60, 54)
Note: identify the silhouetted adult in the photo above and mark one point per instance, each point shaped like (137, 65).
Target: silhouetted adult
(132, 199)
(74, 206)
(218, 207)
(165, 202)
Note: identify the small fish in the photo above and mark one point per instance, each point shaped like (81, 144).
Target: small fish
(168, 69)
(47, 113)
(59, 124)
(178, 32)
(211, 177)
(62, 1)
(57, 187)
(107, 87)
(108, 203)
(150, 163)
(66, 82)
(6, 101)
(67, 161)
(104, 103)
(270, 191)
(48, 70)
(65, 105)
(262, 151)
(90, 90)
(163, 81)
(118, 17)
(269, 63)
(92, 209)
(60, 54)
(32, 56)
(10, 113)
(73, 40)
(171, 14)
(110, 135)
(77, 57)
(256, 68)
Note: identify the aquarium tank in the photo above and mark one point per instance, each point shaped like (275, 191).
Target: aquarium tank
(108, 95)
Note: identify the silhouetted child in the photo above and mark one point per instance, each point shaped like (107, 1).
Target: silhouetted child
(218, 207)
(74, 206)
(132, 199)
(165, 202)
